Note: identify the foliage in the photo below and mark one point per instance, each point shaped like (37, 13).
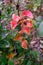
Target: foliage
(21, 32)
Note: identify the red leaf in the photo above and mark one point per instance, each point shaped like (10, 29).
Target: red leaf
(13, 25)
(24, 44)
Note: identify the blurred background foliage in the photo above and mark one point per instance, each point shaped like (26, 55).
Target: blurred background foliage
(9, 47)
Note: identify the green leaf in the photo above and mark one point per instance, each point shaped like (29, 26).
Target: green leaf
(4, 44)
(11, 62)
(2, 63)
(3, 60)
(35, 54)
(39, 19)
(25, 61)
(40, 29)
(29, 63)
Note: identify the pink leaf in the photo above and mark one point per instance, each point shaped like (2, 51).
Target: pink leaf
(27, 13)
(15, 17)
